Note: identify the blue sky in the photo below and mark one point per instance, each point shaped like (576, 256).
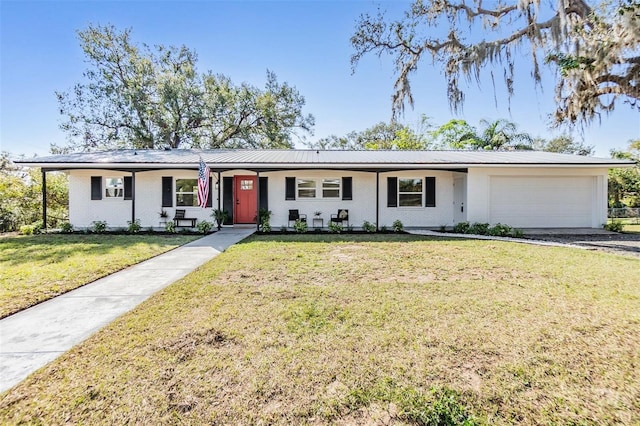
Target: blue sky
(306, 43)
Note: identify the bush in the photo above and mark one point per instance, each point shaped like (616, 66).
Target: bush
(8, 220)
(518, 233)
(66, 228)
(301, 226)
(500, 230)
(461, 228)
(368, 226)
(264, 219)
(614, 226)
(383, 228)
(170, 227)
(99, 227)
(335, 228)
(133, 227)
(26, 229)
(204, 226)
(479, 228)
(397, 226)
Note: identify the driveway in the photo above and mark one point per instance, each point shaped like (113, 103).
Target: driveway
(619, 243)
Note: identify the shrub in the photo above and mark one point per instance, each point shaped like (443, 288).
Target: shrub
(264, 218)
(461, 228)
(38, 227)
(8, 220)
(479, 228)
(204, 226)
(283, 228)
(500, 230)
(26, 229)
(99, 226)
(368, 226)
(518, 233)
(66, 228)
(133, 226)
(170, 227)
(335, 228)
(384, 228)
(397, 226)
(613, 226)
(301, 226)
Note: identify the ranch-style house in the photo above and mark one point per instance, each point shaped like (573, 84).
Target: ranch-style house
(426, 189)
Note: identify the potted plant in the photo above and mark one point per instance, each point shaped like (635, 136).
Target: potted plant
(317, 220)
(163, 217)
(220, 216)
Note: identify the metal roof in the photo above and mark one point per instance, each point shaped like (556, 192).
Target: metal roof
(311, 158)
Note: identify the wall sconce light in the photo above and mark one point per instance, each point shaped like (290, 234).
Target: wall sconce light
(216, 185)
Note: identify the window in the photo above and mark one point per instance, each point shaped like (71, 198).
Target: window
(114, 188)
(324, 188)
(186, 192)
(306, 188)
(410, 192)
(246, 184)
(330, 188)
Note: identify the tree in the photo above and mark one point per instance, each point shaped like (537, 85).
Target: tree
(625, 183)
(21, 195)
(563, 144)
(142, 97)
(596, 50)
(391, 136)
(497, 135)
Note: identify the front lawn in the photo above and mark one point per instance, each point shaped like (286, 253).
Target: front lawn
(38, 267)
(362, 330)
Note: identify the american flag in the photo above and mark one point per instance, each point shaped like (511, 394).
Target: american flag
(203, 184)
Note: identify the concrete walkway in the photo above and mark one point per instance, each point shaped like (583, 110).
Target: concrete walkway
(36, 336)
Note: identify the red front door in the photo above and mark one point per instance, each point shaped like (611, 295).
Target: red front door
(246, 193)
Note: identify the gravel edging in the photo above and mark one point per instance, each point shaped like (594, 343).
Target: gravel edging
(622, 244)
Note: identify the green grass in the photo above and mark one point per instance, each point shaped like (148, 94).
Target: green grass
(38, 267)
(362, 330)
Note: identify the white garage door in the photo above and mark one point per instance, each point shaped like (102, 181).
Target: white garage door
(542, 202)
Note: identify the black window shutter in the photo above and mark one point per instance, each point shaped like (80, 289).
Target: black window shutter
(430, 192)
(227, 198)
(210, 198)
(264, 194)
(290, 188)
(128, 188)
(167, 191)
(347, 188)
(392, 192)
(96, 187)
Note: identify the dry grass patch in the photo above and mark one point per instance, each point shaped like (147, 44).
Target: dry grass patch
(38, 267)
(363, 330)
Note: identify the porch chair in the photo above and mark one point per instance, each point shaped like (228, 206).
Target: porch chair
(341, 217)
(295, 215)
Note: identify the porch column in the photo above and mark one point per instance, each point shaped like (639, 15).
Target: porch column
(133, 197)
(377, 201)
(44, 199)
(218, 185)
(257, 200)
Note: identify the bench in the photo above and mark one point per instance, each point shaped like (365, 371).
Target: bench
(179, 217)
